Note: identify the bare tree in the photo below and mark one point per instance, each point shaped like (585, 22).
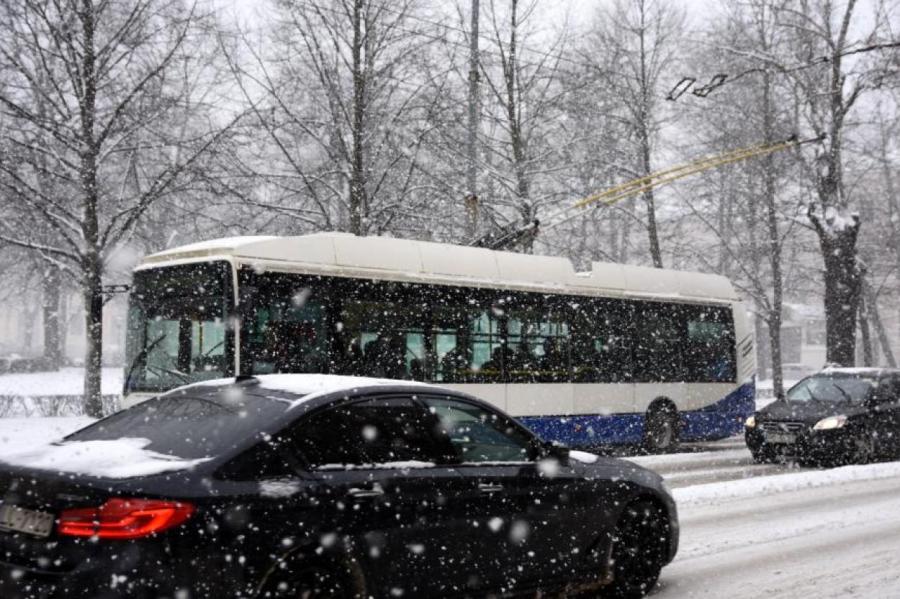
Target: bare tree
(644, 35)
(829, 93)
(340, 96)
(524, 138)
(88, 86)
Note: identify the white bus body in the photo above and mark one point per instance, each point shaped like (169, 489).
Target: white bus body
(580, 357)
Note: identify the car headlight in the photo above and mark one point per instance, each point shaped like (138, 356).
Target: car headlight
(830, 423)
(750, 422)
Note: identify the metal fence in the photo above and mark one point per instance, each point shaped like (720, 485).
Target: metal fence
(16, 406)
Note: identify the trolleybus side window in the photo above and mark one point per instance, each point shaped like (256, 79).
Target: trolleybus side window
(538, 338)
(382, 328)
(602, 340)
(658, 343)
(285, 324)
(709, 347)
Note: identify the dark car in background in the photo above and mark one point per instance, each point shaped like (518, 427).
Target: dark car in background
(837, 416)
(321, 486)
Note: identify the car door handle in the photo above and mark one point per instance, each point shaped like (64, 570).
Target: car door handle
(374, 491)
(489, 487)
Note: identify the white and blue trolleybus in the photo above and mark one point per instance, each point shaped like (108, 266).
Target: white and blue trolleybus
(619, 354)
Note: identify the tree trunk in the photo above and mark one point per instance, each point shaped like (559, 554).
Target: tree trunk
(865, 333)
(774, 237)
(517, 139)
(51, 307)
(842, 292)
(93, 321)
(762, 349)
(357, 168)
(644, 126)
(92, 260)
(872, 304)
(472, 139)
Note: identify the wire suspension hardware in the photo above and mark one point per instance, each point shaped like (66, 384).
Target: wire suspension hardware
(689, 83)
(663, 177)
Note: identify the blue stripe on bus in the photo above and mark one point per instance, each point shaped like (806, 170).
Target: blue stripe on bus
(717, 421)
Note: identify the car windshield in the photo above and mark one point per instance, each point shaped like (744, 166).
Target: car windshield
(189, 426)
(837, 387)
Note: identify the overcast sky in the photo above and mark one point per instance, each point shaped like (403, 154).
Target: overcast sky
(580, 11)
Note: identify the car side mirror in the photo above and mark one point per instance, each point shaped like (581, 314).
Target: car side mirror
(553, 452)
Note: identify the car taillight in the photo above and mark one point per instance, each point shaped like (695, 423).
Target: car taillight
(124, 518)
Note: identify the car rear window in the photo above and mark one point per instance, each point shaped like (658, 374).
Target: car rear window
(189, 426)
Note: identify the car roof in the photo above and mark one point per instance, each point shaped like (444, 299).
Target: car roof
(859, 371)
(304, 389)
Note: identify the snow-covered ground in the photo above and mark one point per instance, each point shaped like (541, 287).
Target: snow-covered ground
(68, 381)
(747, 530)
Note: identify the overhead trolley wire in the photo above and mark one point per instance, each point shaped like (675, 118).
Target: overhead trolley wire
(614, 195)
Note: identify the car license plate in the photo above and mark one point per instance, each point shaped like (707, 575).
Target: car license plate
(17, 519)
(785, 438)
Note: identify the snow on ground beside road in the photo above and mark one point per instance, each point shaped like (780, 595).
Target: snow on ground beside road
(18, 434)
(672, 461)
(718, 492)
(67, 381)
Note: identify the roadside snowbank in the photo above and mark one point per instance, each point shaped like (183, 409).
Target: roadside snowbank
(716, 493)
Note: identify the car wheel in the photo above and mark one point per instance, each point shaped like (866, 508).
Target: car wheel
(661, 428)
(638, 551)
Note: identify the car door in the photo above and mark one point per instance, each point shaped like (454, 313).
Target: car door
(386, 490)
(887, 415)
(516, 499)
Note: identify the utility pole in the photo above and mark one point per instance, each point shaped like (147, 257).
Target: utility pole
(471, 201)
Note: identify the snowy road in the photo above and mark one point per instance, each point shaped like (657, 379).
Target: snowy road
(836, 540)
(748, 531)
(752, 531)
(714, 462)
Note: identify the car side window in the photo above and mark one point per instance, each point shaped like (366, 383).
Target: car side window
(261, 462)
(381, 432)
(479, 435)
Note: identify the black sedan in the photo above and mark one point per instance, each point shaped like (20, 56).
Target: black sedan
(838, 416)
(319, 486)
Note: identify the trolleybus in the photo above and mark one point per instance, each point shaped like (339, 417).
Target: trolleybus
(618, 354)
